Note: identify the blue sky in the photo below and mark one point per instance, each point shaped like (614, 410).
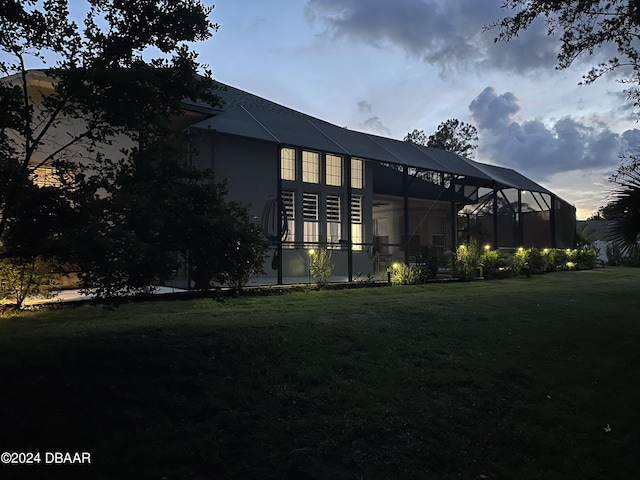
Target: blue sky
(389, 67)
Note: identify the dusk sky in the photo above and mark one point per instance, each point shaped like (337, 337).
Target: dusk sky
(388, 67)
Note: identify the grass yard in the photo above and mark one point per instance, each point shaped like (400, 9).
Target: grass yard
(510, 379)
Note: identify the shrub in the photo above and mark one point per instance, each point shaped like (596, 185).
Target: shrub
(402, 274)
(549, 256)
(20, 278)
(466, 261)
(430, 258)
(536, 261)
(586, 257)
(493, 264)
(320, 266)
(519, 260)
(563, 259)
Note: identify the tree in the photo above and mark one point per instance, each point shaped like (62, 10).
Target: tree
(100, 82)
(157, 211)
(245, 248)
(584, 26)
(119, 80)
(99, 79)
(452, 135)
(416, 136)
(34, 238)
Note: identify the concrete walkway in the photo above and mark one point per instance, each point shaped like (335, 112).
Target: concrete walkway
(65, 296)
(73, 295)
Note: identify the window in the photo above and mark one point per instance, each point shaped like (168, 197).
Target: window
(289, 200)
(310, 167)
(288, 164)
(334, 220)
(334, 170)
(356, 173)
(356, 222)
(310, 216)
(45, 176)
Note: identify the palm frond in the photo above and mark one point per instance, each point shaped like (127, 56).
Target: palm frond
(624, 209)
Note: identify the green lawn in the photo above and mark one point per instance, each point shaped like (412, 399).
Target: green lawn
(510, 379)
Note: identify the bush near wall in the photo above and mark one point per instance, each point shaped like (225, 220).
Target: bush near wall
(495, 264)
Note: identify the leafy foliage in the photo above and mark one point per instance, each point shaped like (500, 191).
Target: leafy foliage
(455, 136)
(245, 248)
(154, 212)
(429, 259)
(584, 27)
(21, 277)
(416, 136)
(320, 266)
(100, 80)
(466, 261)
(452, 135)
(403, 274)
(494, 264)
(624, 209)
(127, 217)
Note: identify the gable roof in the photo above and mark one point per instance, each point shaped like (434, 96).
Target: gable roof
(248, 115)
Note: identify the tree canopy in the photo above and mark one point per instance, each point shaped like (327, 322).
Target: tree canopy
(451, 135)
(96, 121)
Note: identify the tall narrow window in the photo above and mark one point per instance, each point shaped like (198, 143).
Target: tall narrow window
(310, 214)
(334, 170)
(356, 222)
(288, 164)
(310, 167)
(289, 200)
(356, 173)
(334, 220)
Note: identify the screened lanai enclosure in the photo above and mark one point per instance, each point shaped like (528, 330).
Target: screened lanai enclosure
(499, 209)
(371, 200)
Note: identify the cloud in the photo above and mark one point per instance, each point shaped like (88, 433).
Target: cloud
(364, 106)
(492, 111)
(375, 125)
(444, 33)
(540, 149)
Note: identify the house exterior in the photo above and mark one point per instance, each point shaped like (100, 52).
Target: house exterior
(371, 200)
